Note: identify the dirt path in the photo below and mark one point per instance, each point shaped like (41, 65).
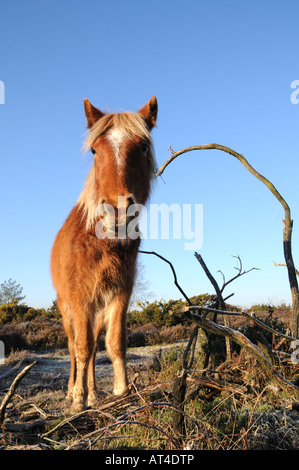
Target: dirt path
(55, 366)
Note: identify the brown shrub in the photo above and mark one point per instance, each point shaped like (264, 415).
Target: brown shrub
(170, 334)
(151, 334)
(40, 333)
(44, 333)
(13, 338)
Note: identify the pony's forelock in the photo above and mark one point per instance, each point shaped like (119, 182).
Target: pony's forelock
(131, 124)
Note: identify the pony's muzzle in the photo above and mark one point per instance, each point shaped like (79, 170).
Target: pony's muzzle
(124, 202)
(116, 217)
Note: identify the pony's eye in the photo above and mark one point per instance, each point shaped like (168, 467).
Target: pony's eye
(93, 151)
(144, 148)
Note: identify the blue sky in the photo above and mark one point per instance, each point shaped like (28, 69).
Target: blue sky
(221, 71)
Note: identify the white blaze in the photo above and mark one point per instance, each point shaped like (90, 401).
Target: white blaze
(116, 137)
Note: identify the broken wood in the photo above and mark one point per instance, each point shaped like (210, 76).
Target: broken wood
(244, 342)
(30, 427)
(179, 392)
(196, 383)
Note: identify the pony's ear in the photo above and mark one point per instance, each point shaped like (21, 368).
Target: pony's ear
(150, 111)
(92, 114)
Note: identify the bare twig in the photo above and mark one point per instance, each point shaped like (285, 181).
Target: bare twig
(173, 272)
(158, 405)
(169, 148)
(240, 273)
(104, 431)
(193, 337)
(12, 389)
(124, 420)
(109, 403)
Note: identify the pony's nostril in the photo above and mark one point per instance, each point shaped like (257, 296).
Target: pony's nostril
(102, 200)
(131, 199)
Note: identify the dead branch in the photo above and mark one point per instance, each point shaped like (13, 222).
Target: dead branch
(244, 342)
(12, 370)
(112, 402)
(239, 157)
(287, 222)
(235, 336)
(179, 388)
(211, 279)
(244, 314)
(25, 427)
(12, 389)
(283, 264)
(219, 297)
(106, 429)
(158, 405)
(219, 385)
(173, 272)
(124, 420)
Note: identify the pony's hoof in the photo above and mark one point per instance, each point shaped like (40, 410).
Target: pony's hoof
(77, 407)
(91, 401)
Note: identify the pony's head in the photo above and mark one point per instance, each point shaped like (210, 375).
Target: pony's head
(124, 160)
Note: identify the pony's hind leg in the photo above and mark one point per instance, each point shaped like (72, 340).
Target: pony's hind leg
(68, 327)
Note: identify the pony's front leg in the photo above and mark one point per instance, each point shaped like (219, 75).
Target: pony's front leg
(84, 348)
(116, 343)
(92, 389)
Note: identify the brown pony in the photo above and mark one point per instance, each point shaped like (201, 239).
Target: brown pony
(94, 275)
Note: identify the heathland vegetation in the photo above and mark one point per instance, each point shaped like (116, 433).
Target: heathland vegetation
(228, 403)
(24, 327)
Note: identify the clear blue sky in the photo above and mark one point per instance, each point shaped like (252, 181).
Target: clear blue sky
(222, 73)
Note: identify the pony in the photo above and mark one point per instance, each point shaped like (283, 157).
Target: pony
(93, 271)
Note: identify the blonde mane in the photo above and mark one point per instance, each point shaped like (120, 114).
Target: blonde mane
(132, 125)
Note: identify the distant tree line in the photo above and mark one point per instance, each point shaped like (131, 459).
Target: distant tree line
(15, 312)
(159, 312)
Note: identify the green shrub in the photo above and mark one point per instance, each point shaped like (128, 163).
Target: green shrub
(12, 312)
(163, 313)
